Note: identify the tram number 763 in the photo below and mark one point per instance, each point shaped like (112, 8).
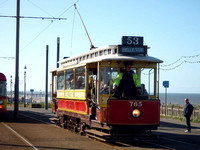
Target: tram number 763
(135, 104)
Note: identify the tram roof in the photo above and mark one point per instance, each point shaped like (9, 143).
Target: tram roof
(106, 53)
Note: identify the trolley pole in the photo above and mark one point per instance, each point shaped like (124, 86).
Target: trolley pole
(46, 85)
(17, 62)
(58, 52)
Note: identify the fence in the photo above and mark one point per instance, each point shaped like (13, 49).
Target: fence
(177, 111)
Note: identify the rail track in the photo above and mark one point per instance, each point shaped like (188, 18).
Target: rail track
(163, 142)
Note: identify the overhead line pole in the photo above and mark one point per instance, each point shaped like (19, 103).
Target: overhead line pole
(16, 105)
(17, 61)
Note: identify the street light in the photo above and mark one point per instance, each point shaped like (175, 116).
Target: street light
(25, 86)
(11, 90)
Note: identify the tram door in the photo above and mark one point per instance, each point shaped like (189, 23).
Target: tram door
(92, 92)
(54, 92)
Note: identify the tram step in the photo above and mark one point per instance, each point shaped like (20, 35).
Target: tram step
(97, 133)
(53, 120)
(95, 137)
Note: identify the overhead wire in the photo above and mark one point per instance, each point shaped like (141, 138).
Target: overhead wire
(47, 25)
(164, 67)
(179, 60)
(3, 2)
(68, 9)
(72, 31)
(40, 8)
(36, 36)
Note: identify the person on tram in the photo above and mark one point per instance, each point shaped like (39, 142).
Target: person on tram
(127, 85)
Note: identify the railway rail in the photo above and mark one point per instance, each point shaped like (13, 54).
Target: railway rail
(165, 140)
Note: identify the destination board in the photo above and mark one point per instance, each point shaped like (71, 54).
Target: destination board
(122, 49)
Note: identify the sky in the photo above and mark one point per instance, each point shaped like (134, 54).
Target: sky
(170, 27)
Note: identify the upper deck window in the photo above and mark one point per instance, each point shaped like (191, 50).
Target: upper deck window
(61, 81)
(100, 53)
(105, 52)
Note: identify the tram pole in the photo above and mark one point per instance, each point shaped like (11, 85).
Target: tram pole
(46, 85)
(16, 105)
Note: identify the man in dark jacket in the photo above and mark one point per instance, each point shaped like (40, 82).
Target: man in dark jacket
(188, 109)
(127, 84)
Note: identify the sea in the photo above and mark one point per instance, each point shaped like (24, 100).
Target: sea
(179, 98)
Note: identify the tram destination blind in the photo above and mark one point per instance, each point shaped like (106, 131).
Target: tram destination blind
(132, 40)
(132, 50)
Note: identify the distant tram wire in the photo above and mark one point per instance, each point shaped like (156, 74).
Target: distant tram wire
(40, 8)
(36, 36)
(163, 67)
(3, 2)
(47, 25)
(68, 8)
(40, 18)
(179, 60)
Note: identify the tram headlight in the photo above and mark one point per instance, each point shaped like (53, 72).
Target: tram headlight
(1, 102)
(136, 113)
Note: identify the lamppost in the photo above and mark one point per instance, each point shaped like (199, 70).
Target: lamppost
(25, 86)
(11, 90)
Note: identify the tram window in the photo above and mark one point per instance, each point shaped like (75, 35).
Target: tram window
(109, 51)
(101, 53)
(61, 81)
(3, 88)
(107, 79)
(105, 52)
(55, 85)
(69, 79)
(147, 80)
(80, 78)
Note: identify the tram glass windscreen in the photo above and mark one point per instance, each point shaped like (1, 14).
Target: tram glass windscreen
(107, 79)
(147, 80)
(3, 88)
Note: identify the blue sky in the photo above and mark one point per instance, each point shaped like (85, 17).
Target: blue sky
(169, 27)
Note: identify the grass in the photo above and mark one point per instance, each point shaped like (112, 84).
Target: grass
(179, 118)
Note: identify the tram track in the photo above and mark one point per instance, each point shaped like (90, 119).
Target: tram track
(165, 140)
(43, 118)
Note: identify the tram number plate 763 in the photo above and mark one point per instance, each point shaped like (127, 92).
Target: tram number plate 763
(135, 104)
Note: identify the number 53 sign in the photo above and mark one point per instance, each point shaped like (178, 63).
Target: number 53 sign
(132, 40)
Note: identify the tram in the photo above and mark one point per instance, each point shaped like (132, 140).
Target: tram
(3, 95)
(83, 96)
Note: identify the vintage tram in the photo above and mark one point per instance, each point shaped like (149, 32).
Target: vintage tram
(83, 96)
(3, 95)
